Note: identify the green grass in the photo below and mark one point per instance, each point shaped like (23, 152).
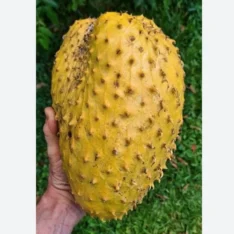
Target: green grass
(174, 206)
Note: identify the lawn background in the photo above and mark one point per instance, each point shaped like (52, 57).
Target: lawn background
(174, 206)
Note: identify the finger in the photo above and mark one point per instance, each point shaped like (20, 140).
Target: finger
(50, 131)
(52, 123)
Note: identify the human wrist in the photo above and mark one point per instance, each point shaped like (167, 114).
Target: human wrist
(55, 212)
(63, 200)
(59, 195)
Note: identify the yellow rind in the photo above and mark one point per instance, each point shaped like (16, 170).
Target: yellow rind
(119, 104)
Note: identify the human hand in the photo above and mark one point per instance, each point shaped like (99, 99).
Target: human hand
(56, 210)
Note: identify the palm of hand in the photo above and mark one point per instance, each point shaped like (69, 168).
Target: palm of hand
(57, 185)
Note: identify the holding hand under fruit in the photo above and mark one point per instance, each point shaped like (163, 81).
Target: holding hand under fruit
(56, 211)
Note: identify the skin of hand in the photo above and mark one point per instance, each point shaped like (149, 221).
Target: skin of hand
(56, 210)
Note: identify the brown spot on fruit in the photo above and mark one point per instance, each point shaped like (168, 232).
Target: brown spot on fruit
(150, 61)
(114, 152)
(96, 156)
(142, 103)
(150, 120)
(129, 91)
(139, 157)
(150, 146)
(127, 142)
(132, 38)
(104, 106)
(173, 90)
(114, 124)
(159, 132)
(69, 134)
(141, 49)
(116, 96)
(118, 75)
(141, 129)
(153, 90)
(131, 61)
(118, 51)
(116, 84)
(141, 75)
(143, 170)
(119, 26)
(94, 92)
(162, 73)
(89, 133)
(125, 115)
(169, 119)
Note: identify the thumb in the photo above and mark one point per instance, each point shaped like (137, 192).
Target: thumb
(50, 130)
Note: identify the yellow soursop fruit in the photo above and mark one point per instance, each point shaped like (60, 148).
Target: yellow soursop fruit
(118, 93)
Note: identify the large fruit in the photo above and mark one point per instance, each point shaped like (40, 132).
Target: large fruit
(118, 94)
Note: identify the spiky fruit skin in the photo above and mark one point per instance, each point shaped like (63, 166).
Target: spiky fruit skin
(118, 93)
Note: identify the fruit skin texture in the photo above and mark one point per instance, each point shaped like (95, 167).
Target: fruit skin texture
(118, 93)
